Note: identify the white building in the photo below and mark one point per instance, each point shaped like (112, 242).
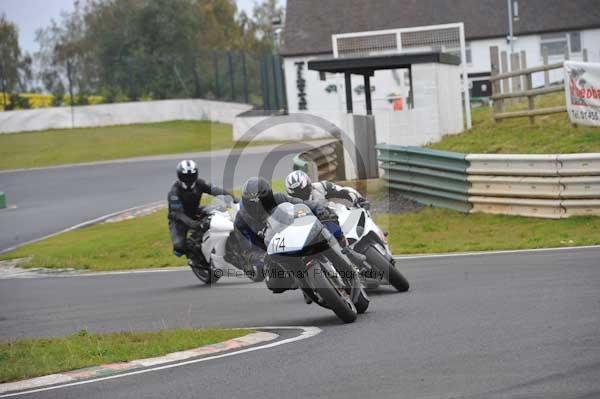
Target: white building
(558, 27)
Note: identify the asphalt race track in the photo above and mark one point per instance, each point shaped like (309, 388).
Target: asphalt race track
(52, 199)
(520, 325)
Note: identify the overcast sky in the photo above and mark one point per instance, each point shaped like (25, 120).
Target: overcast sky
(30, 15)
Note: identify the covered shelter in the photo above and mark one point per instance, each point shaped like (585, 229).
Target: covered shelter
(434, 81)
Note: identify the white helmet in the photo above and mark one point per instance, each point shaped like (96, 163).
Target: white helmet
(298, 184)
(187, 173)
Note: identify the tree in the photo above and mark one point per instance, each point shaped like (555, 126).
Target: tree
(15, 68)
(66, 56)
(153, 48)
(267, 20)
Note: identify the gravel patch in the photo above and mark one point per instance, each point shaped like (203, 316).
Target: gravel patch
(390, 201)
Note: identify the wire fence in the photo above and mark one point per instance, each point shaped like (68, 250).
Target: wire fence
(215, 75)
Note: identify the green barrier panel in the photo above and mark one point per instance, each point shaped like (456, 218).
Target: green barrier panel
(427, 180)
(2, 200)
(423, 157)
(300, 164)
(437, 198)
(431, 177)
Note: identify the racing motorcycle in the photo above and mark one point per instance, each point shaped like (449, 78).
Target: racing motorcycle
(304, 248)
(366, 238)
(216, 252)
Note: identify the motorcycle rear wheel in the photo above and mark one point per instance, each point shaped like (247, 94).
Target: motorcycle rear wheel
(341, 306)
(206, 275)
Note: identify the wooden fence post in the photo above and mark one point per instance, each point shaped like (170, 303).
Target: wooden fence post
(528, 85)
(504, 62)
(495, 66)
(514, 66)
(546, 72)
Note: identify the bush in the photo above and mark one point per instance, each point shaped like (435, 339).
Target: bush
(17, 101)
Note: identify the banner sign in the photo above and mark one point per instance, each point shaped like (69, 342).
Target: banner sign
(582, 86)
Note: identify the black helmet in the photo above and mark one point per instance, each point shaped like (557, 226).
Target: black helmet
(257, 197)
(187, 173)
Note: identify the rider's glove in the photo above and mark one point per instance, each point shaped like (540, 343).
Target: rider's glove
(362, 203)
(200, 225)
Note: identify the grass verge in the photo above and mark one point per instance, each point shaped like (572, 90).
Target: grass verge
(64, 146)
(145, 242)
(28, 358)
(551, 134)
(434, 230)
(138, 243)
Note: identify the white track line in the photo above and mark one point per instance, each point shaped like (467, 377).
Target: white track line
(307, 332)
(35, 274)
(84, 224)
(503, 252)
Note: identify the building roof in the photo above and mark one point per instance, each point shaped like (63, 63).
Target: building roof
(310, 23)
(366, 65)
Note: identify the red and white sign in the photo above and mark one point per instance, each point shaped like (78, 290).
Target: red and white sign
(582, 86)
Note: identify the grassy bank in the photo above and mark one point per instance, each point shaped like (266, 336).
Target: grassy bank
(551, 134)
(28, 358)
(64, 146)
(143, 242)
(131, 244)
(433, 230)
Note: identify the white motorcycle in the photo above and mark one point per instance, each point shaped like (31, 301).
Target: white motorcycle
(366, 238)
(301, 249)
(219, 246)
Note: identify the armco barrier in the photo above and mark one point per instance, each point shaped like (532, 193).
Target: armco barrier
(431, 177)
(532, 207)
(549, 186)
(512, 165)
(579, 165)
(325, 162)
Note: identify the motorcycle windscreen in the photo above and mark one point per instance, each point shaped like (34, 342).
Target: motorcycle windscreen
(292, 238)
(288, 228)
(220, 203)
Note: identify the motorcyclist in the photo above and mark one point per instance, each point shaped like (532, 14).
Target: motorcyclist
(185, 211)
(258, 202)
(298, 184)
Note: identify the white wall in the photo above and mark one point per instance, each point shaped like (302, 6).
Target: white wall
(119, 114)
(427, 122)
(437, 111)
(386, 83)
(480, 50)
(281, 127)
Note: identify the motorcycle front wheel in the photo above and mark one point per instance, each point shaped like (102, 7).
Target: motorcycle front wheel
(362, 303)
(387, 268)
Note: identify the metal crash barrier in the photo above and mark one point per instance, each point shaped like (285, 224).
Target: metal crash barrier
(547, 186)
(325, 162)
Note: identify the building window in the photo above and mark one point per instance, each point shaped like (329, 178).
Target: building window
(554, 44)
(575, 42)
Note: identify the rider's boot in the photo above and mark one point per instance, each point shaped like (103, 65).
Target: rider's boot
(307, 298)
(356, 258)
(342, 251)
